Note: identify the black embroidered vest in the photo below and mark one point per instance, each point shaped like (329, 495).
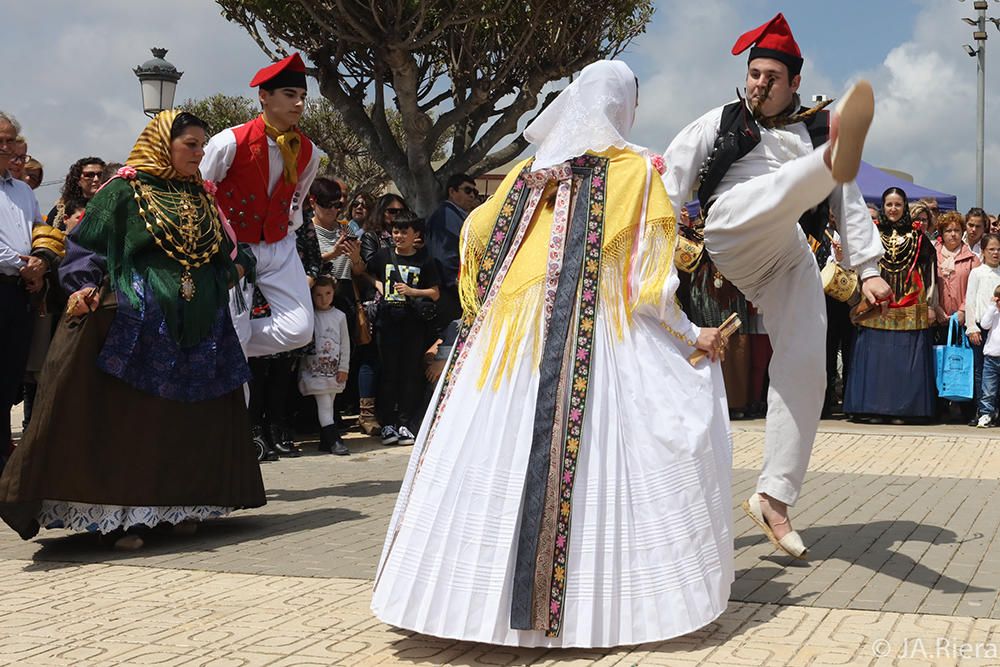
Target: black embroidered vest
(738, 135)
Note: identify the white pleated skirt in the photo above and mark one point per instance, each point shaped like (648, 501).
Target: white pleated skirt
(650, 547)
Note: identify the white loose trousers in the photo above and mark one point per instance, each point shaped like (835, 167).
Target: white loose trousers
(282, 281)
(753, 236)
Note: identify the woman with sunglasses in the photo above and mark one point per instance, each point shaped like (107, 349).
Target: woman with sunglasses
(357, 210)
(340, 248)
(376, 235)
(82, 182)
(142, 420)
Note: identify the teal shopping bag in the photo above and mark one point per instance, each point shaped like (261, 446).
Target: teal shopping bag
(953, 365)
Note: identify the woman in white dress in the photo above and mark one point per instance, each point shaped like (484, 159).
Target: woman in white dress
(571, 484)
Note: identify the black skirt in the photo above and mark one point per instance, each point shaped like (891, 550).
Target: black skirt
(95, 439)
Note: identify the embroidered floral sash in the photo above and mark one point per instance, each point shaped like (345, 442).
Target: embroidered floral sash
(571, 297)
(540, 573)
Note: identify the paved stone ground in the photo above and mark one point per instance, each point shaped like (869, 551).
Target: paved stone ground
(902, 524)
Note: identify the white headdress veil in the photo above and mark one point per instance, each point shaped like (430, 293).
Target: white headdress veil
(593, 113)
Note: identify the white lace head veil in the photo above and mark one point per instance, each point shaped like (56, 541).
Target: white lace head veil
(593, 113)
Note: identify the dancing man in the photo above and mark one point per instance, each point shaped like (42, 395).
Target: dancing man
(759, 165)
(263, 170)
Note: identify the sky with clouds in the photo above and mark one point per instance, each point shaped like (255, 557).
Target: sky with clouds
(70, 81)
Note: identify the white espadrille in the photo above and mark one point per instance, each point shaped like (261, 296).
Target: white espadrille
(855, 111)
(791, 543)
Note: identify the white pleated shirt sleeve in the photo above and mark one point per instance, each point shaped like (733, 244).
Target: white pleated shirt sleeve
(648, 263)
(686, 154)
(858, 235)
(219, 154)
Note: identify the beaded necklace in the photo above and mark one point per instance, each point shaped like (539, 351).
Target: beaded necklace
(174, 219)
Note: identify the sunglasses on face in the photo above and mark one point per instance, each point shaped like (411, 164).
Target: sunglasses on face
(90, 174)
(394, 211)
(359, 204)
(332, 204)
(470, 190)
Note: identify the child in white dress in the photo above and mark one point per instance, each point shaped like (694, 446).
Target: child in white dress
(323, 371)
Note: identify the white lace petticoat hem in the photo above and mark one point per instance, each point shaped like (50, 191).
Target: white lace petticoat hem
(85, 517)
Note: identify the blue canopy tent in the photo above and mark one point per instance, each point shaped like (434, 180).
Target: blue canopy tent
(873, 182)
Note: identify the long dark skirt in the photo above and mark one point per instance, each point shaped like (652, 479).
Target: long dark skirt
(892, 374)
(95, 439)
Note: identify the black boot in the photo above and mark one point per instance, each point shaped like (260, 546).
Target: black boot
(331, 442)
(262, 446)
(278, 440)
(288, 442)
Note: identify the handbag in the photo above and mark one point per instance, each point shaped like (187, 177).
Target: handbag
(953, 365)
(424, 308)
(689, 251)
(364, 323)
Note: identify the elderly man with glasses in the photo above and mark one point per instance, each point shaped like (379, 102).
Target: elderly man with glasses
(19, 158)
(20, 273)
(443, 228)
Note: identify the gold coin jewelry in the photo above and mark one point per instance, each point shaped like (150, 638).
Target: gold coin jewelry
(896, 262)
(175, 219)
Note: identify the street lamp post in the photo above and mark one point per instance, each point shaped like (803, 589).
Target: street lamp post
(158, 81)
(979, 35)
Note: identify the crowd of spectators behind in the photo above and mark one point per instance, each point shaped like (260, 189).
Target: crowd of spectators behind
(951, 274)
(393, 276)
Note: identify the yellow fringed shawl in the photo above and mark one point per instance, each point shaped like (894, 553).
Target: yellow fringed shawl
(517, 310)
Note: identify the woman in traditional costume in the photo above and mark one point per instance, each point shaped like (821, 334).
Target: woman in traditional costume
(897, 346)
(571, 483)
(140, 417)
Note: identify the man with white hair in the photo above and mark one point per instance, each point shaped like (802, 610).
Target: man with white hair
(20, 274)
(762, 167)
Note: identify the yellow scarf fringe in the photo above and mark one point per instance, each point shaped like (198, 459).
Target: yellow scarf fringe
(474, 248)
(511, 319)
(657, 261)
(514, 317)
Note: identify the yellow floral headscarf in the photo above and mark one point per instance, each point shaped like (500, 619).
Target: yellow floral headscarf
(151, 153)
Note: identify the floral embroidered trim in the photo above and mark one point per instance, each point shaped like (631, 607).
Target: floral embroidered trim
(557, 238)
(540, 178)
(494, 247)
(579, 382)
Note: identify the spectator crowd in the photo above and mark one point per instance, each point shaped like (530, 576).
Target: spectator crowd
(384, 290)
(944, 269)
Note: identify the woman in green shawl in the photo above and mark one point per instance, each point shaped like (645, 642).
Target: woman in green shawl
(141, 412)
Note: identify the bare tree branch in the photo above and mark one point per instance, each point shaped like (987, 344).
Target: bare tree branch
(449, 66)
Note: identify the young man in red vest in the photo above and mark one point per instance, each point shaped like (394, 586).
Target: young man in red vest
(263, 170)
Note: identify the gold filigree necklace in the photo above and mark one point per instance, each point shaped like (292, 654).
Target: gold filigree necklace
(175, 219)
(896, 262)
